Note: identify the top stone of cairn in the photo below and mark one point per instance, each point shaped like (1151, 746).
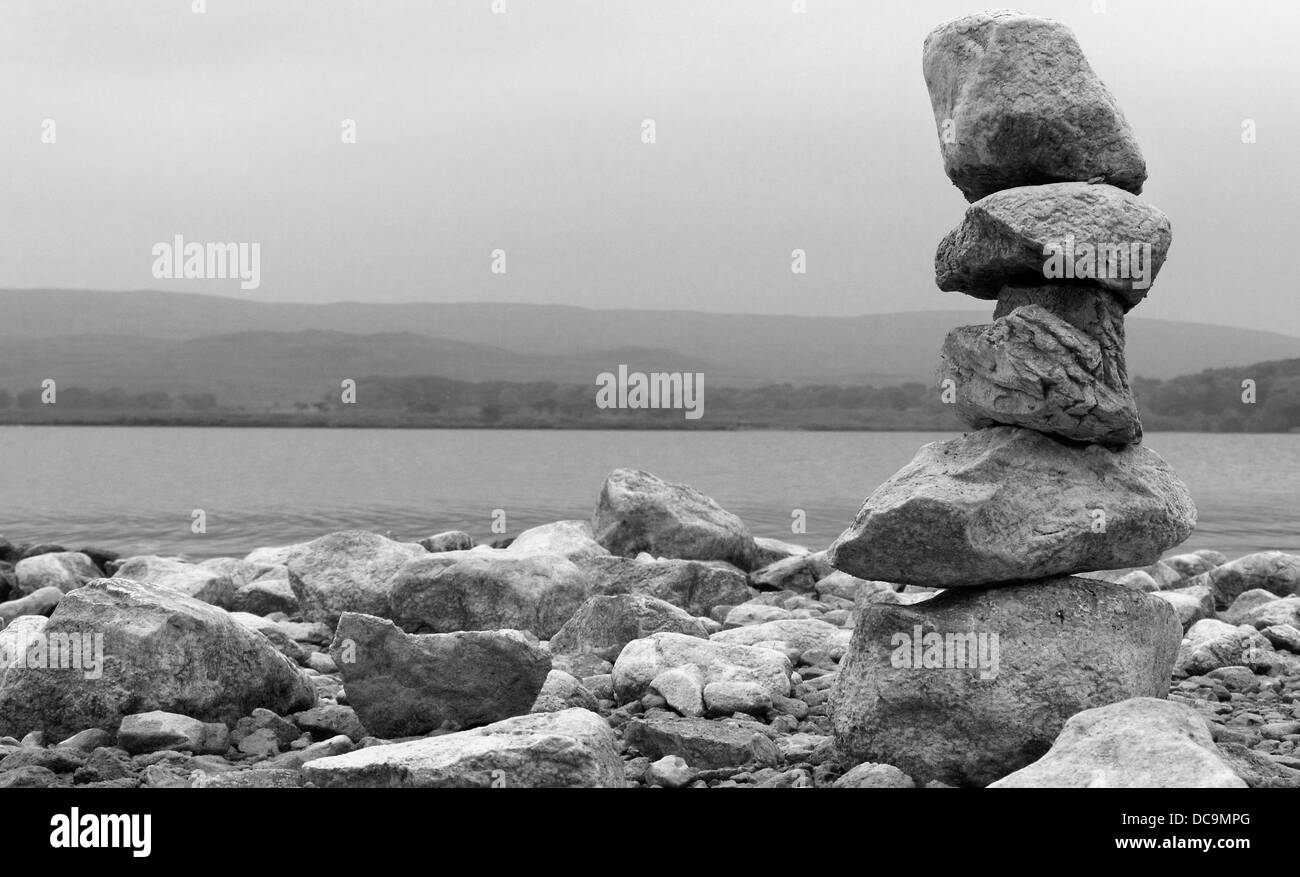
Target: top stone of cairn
(1017, 104)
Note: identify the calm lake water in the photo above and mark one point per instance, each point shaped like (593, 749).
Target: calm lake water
(135, 488)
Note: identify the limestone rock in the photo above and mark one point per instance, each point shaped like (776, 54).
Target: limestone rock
(689, 584)
(929, 689)
(349, 571)
(1033, 369)
(405, 684)
(644, 659)
(1007, 504)
(639, 512)
(488, 590)
(210, 585)
(1030, 235)
(571, 748)
(161, 650)
(1024, 107)
(603, 625)
(1138, 743)
(64, 570)
(703, 744)
(571, 539)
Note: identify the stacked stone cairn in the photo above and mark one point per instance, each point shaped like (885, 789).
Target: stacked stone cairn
(978, 680)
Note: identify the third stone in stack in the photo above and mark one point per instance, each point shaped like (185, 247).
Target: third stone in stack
(1054, 480)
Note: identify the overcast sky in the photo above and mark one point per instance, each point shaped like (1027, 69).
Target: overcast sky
(522, 131)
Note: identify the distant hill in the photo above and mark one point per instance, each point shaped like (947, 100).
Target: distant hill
(251, 353)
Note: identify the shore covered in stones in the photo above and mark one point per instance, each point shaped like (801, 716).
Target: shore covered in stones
(657, 644)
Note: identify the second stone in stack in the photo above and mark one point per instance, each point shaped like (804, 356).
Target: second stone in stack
(1054, 481)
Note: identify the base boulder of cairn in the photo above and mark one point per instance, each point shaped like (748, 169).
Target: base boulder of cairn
(1031, 368)
(971, 685)
(1017, 104)
(1007, 504)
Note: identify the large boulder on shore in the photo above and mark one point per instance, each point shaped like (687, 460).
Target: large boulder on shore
(690, 584)
(571, 539)
(349, 571)
(1007, 504)
(487, 590)
(65, 570)
(1028, 234)
(639, 512)
(971, 685)
(161, 650)
(210, 584)
(570, 748)
(1141, 743)
(404, 684)
(1033, 369)
(603, 625)
(1017, 104)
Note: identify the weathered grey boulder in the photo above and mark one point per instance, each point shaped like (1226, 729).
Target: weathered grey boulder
(64, 570)
(644, 659)
(1031, 368)
(799, 633)
(349, 571)
(404, 684)
(1031, 235)
(1017, 104)
(875, 776)
(1189, 565)
(161, 650)
(570, 748)
(688, 584)
(1006, 504)
(450, 540)
(1284, 610)
(571, 539)
(40, 602)
(1138, 743)
(769, 550)
(157, 730)
(488, 590)
(603, 625)
(970, 685)
(797, 573)
(639, 512)
(703, 744)
(1211, 644)
(1274, 571)
(1191, 604)
(210, 584)
(562, 691)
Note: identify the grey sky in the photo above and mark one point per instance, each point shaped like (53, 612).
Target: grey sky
(522, 131)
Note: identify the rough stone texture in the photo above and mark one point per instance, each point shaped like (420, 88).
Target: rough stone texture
(161, 651)
(1064, 645)
(800, 633)
(701, 743)
(1211, 644)
(562, 691)
(769, 551)
(1097, 313)
(16, 638)
(571, 748)
(1138, 743)
(1025, 105)
(158, 730)
(1191, 604)
(639, 512)
(406, 684)
(603, 625)
(1031, 368)
(41, 602)
(797, 573)
(1006, 504)
(1010, 237)
(1274, 571)
(64, 570)
(1189, 565)
(211, 585)
(644, 659)
(348, 571)
(1279, 610)
(450, 540)
(874, 776)
(485, 589)
(571, 539)
(689, 584)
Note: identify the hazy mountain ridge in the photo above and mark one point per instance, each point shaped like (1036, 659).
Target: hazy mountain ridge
(249, 352)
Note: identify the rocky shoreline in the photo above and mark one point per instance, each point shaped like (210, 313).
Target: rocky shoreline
(657, 644)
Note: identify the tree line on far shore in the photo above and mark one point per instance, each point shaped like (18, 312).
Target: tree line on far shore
(1259, 398)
